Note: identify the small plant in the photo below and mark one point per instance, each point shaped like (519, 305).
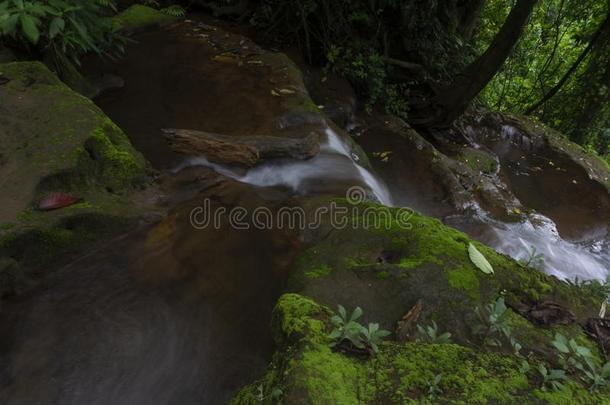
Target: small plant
(434, 389)
(373, 336)
(595, 288)
(580, 360)
(533, 259)
(553, 378)
(350, 335)
(493, 326)
(430, 334)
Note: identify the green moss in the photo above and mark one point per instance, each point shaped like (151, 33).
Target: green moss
(478, 160)
(329, 377)
(294, 317)
(465, 278)
(383, 275)
(317, 272)
(138, 17)
(118, 167)
(306, 370)
(41, 243)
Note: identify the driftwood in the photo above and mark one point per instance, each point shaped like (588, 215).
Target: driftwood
(241, 150)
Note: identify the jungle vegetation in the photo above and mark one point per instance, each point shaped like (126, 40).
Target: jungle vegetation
(427, 61)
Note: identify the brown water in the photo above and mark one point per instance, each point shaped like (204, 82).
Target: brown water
(166, 314)
(552, 185)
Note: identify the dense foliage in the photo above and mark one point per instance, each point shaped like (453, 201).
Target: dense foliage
(557, 35)
(61, 29)
(389, 48)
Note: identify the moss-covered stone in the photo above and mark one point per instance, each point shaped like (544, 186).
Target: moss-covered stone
(306, 371)
(55, 140)
(386, 266)
(479, 160)
(138, 17)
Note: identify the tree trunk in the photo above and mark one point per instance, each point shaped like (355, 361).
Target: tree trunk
(470, 13)
(245, 151)
(451, 101)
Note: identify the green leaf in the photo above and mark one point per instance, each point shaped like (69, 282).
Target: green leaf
(479, 260)
(30, 30)
(356, 314)
(561, 343)
(605, 373)
(57, 25)
(342, 311)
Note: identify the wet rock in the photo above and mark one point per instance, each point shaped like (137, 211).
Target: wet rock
(56, 141)
(548, 173)
(546, 313)
(479, 160)
(241, 150)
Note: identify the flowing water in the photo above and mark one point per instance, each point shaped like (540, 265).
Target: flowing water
(171, 315)
(333, 167)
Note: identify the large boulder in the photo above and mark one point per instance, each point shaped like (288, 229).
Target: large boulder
(53, 140)
(388, 261)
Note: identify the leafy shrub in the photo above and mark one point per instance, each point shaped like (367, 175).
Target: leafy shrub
(368, 72)
(348, 330)
(66, 29)
(579, 359)
(552, 378)
(533, 259)
(430, 334)
(493, 325)
(594, 288)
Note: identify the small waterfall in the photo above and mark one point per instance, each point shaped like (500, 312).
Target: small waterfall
(377, 187)
(563, 259)
(335, 161)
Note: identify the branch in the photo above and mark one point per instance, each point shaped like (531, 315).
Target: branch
(405, 65)
(572, 68)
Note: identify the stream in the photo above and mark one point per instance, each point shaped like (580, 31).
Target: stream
(167, 314)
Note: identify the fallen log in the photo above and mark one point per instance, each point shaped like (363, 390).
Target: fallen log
(245, 151)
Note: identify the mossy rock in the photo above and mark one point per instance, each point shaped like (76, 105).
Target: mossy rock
(138, 17)
(306, 371)
(479, 160)
(55, 140)
(385, 260)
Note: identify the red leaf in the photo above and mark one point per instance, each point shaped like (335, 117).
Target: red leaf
(54, 201)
